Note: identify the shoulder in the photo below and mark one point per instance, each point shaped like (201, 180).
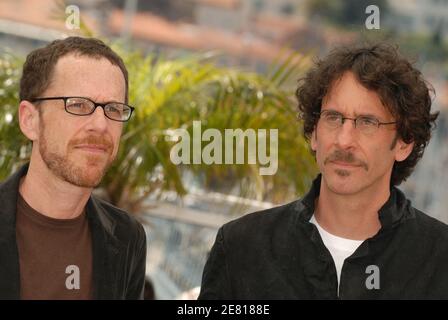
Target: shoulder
(430, 227)
(262, 224)
(124, 224)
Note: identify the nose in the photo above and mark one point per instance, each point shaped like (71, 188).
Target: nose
(346, 135)
(97, 120)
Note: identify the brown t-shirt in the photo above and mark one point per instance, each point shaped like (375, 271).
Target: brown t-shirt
(55, 255)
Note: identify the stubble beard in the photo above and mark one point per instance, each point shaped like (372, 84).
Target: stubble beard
(66, 169)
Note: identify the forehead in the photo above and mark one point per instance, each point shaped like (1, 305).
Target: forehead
(95, 78)
(348, 96)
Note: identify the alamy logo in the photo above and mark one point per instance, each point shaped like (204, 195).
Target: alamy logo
(72, 281)
(373, 280)
(234, 140)
(72, 21)
(373, 21)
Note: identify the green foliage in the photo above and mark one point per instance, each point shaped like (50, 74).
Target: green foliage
(170, 94)
(14, 147)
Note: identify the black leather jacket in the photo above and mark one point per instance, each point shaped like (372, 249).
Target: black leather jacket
(279, 254)
(118, 247)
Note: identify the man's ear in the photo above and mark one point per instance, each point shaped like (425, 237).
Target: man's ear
(403, 150)
(29, 120)
(314, 140)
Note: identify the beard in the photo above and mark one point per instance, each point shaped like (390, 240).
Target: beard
(87, 175)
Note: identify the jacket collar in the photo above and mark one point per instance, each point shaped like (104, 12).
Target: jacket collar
(393, 211)
(9, 256)
(106, 247)
(107, 251)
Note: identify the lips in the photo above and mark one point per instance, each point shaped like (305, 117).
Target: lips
(345, 164)
(94, 148)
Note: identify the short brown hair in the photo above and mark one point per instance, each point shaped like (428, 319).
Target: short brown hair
(399, 85)
(39, 65)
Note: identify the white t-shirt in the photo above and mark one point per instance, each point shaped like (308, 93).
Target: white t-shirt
(340, 248)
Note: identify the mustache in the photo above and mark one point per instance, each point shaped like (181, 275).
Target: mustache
(347, 157)
(95, 140)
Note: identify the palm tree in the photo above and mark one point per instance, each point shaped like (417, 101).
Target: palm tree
(14, 147)
(170, 94)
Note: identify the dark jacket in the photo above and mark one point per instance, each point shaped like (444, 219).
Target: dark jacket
(118, 247)
(279, 254)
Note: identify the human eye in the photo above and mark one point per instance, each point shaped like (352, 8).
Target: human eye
(78, 105)
(367, 122)
(332, 116)
(115, 108)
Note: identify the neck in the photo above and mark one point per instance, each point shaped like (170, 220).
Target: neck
(353, 216)
(50, 195)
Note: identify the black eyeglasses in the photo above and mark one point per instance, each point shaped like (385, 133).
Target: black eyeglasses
(82, 106)
(365, 124)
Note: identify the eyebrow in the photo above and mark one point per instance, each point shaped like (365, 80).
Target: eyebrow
(370, 115)
(97, 101)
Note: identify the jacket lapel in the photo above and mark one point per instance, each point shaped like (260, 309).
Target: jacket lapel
(302, 239)
(9, 255)
(107, 253)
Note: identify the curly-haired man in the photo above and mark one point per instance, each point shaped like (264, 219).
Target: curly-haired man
(367, 115)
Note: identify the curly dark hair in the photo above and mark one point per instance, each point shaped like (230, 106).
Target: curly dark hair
(397, 82)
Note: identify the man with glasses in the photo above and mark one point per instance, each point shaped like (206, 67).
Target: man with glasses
(367, 113)
(58, 241)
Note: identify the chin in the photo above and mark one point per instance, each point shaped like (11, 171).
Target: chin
(342, 183)
(91, 178)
